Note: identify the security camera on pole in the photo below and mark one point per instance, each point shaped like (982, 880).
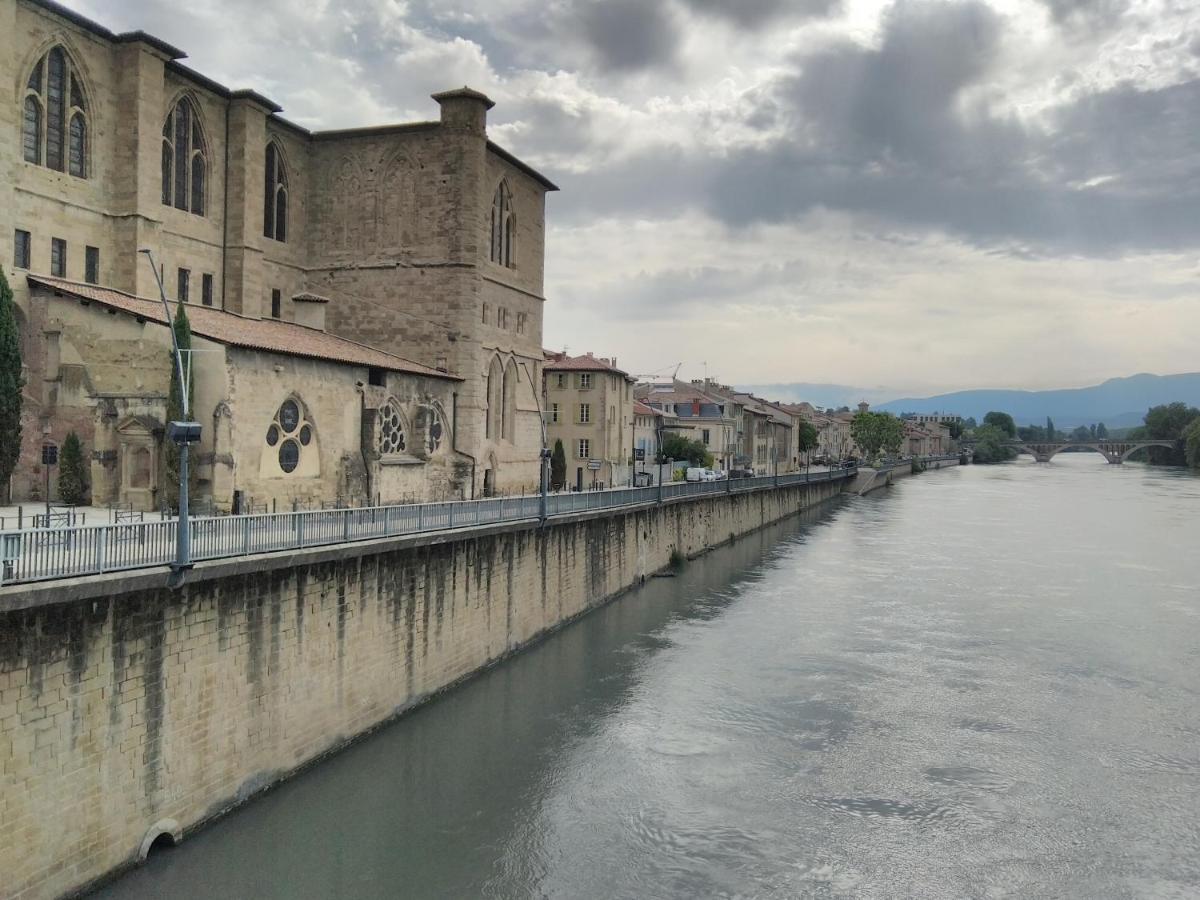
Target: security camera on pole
(184, 434)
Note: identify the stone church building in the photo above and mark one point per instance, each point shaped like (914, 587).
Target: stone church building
(366, 304)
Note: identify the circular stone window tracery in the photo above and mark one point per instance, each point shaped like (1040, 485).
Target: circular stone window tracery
(290, 432)
(391, 430)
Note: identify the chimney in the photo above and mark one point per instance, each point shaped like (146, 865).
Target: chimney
(309, 309)
(588, 354)
(464, 110)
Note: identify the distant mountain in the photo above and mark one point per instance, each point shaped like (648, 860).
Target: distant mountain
(823, 395)
(1118, 402)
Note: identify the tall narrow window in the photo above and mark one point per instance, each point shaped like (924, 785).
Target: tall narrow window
(56, 77)
(78, 140)
(58, 257)
(54, 129)
(206, 288)
(503, 248)
(21, 249)
(184, 159)
(91, 265)
(31, 135)
(275, 195)
(185, 279)
(276, 303)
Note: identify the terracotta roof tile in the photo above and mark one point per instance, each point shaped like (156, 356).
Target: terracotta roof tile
(582, 364)
(272, 335)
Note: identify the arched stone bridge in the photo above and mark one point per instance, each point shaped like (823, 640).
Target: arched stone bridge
(1116, 452)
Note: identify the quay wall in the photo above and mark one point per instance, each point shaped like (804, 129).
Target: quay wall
(869, 480)
(129, 710)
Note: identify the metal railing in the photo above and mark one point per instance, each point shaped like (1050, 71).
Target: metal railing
(48, 553)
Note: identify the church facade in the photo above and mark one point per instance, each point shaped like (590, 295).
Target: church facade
(421, 242)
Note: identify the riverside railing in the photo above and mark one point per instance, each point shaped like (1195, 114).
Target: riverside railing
(47, 553)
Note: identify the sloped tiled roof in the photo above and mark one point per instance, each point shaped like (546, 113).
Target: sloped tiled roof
(271, 335)
(641, 409)
(559, 362)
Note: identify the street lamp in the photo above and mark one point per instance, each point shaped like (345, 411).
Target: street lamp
(544, 454)
(184, 434)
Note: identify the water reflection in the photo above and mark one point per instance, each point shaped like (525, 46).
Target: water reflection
(983, 682)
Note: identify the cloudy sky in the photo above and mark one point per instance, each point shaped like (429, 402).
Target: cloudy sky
(921, 194)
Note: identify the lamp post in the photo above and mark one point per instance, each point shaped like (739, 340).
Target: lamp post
(543, 455)
(183, 433)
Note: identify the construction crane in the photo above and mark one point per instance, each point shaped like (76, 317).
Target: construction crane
(647, 376)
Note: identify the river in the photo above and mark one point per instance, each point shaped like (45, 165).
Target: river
(982, 682)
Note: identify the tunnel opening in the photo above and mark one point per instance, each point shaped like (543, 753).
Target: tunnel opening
(161, 837)
(160, 844)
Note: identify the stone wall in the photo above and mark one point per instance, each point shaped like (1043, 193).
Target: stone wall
(127, 709)
(869, 479)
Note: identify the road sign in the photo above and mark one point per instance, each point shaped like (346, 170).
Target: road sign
(595, 464)
(639, 454)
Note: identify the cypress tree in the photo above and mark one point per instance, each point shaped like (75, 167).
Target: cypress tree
(72, 473)
(183, 336)
(558, 466)
(10, 386)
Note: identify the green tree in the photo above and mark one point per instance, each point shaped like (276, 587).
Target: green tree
(1050, 432)
(1101, 432)
(1032, 433)
(183, 336)
(969, 424)
(990, 445)
(806, 436)
(1168, 423)
(558, 466)
(72, 472)
(956, 428)
(1003, 421)
(1191, 444)
(873, 432)
(1081, 434)
(678, 447)
(10, 386)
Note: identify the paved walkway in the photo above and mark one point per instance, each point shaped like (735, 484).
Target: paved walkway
(23, 514)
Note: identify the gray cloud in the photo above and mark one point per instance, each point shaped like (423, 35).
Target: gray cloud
(1087, 15)
(756, 13)
(883, 132)
(628, 35)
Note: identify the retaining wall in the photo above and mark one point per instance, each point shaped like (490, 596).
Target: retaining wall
(127, 708)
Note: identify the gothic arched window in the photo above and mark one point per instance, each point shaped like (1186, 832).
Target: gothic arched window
(504, 250)
(510, 401)
(391, 430)
(495, 400)
(275, 195)
(184, 159)
(54, 130)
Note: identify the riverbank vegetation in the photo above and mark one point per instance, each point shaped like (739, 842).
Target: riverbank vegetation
(874, 432)
(1171, 422)
(991, 438)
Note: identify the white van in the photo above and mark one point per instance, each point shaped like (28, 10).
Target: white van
(696, 473)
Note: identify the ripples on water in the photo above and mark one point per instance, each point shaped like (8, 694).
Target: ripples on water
(983, 682)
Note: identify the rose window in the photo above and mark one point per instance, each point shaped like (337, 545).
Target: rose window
(290, 433)
(391, 430)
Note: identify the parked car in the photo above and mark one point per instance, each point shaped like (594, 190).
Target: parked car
(740, 473)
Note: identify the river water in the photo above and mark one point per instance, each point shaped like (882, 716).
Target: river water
(983, 682)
